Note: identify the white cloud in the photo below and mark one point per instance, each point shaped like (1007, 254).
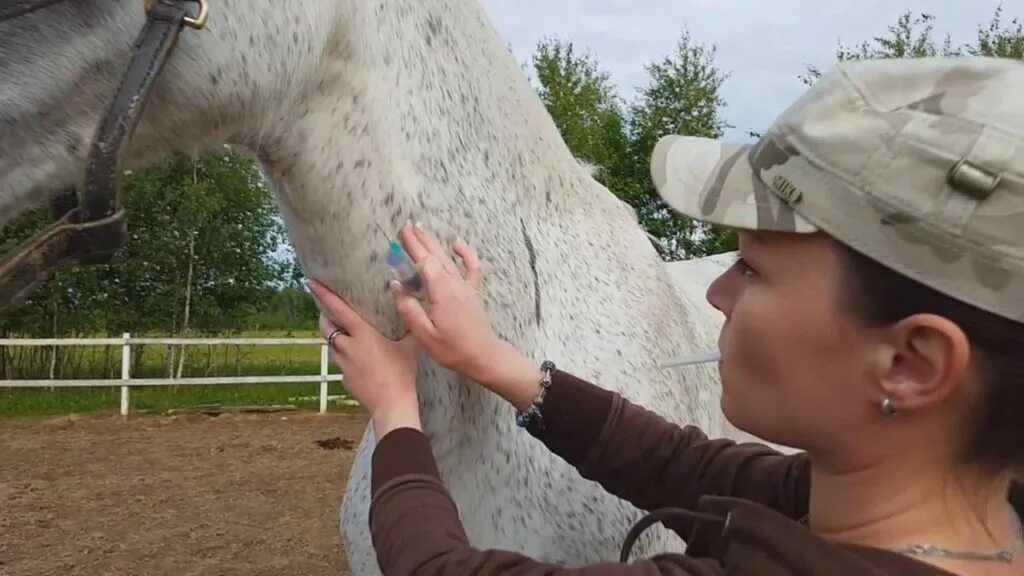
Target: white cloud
(764, 46)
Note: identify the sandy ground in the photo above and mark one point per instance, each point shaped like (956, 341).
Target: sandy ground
(181, 495)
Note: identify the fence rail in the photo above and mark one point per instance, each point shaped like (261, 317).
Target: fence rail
(151, 341)
(126, 382)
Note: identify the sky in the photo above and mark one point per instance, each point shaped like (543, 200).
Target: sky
(764, 45)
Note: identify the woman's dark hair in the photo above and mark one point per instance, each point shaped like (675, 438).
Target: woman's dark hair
(881, 296)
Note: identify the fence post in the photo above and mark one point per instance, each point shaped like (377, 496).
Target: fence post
(323, 378)
(126, 372)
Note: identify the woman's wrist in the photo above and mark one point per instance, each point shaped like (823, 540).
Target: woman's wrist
(403, 414)
(511, 375)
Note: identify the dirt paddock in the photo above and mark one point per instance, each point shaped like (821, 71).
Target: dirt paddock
(183, 495)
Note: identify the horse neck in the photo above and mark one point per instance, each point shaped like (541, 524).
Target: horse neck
(441, 127)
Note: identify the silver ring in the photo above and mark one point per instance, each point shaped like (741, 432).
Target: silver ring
(330, 339)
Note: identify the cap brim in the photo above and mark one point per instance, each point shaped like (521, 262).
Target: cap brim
(713, 181)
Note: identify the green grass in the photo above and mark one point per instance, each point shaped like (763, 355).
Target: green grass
(95, 362)
(41, 402)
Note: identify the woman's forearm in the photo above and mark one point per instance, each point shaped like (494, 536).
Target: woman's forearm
(397, 415)
(510, 374)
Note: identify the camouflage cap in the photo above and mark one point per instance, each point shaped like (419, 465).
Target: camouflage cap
(917, 163)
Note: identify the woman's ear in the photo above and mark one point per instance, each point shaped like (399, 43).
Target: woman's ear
(927, 362)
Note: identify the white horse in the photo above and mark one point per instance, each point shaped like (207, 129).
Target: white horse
(364, 112)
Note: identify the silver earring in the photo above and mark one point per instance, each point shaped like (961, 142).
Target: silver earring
(886, 407)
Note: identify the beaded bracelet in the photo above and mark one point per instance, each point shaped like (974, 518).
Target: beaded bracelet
(525, 417)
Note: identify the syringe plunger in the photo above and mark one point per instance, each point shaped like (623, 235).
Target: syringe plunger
(403, 268)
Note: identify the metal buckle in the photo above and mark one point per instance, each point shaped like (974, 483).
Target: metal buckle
(199, 21)
(972, 179)
(196, 23)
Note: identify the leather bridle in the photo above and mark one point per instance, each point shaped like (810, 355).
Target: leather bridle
(92, 231)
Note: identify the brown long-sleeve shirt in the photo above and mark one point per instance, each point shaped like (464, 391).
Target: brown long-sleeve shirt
(746, 498)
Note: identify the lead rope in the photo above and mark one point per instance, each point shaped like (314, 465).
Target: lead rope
(658, 516)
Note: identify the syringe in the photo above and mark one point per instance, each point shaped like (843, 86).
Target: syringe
(702, 358)
(401, 266)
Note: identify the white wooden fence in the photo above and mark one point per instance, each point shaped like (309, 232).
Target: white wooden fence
(126, 382)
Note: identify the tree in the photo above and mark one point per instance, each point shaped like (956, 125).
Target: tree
(905, 40)
(201, 255)
(202, 235)
(589, 115)
(911, 37)
(65, 305)
(995, 40)
(585, 108)
(599, 129)
(682, 97)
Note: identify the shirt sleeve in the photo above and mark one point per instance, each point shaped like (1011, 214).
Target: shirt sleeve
(416, 530)
(641, 457)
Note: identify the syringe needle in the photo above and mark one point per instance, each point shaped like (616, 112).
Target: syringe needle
(690, 360)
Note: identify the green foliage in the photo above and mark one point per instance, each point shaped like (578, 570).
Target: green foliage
(912, 37)
(681, 97)
(21, 403)
(204, 232)
(586, 110)
(289, 308)
(995, 40)
(67, 300)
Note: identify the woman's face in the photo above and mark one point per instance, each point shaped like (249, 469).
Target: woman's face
(795, 368)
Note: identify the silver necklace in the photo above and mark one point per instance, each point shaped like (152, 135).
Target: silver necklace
(1006, 555)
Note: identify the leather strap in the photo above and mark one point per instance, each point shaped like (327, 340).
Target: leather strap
(94, 231)
(23, 270)
(101, 197)
(63, 204)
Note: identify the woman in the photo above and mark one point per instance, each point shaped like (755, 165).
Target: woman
(874, 319)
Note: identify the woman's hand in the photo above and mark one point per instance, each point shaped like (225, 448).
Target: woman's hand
(454, 329)
(379, 372)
